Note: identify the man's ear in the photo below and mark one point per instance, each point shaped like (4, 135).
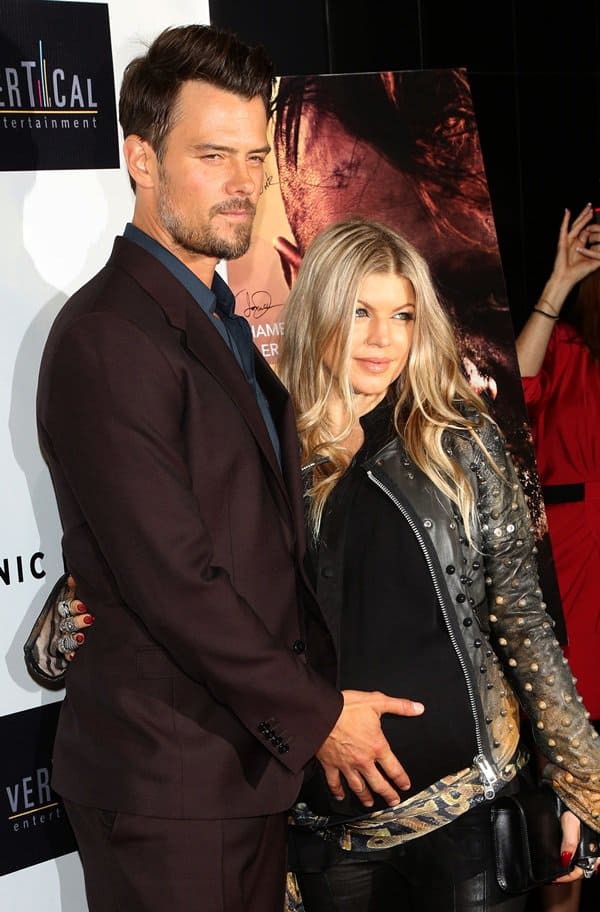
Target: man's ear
(140, 159)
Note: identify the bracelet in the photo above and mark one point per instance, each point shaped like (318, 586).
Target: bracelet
(538, 310)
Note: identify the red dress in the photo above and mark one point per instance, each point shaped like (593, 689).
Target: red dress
(563, 401)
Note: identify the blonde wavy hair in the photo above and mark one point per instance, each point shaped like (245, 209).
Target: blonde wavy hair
(319, 318)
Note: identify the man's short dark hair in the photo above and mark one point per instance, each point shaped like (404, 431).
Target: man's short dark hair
(151, 83)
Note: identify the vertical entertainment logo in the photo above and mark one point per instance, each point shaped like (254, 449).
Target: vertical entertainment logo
(57, 104)
(31, 801)
(33, 90)
(33, 823)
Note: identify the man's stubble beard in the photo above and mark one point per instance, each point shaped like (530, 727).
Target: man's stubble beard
(203, 239)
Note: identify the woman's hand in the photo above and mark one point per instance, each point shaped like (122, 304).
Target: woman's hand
(570, 840)
(576, 254)
(73, 618)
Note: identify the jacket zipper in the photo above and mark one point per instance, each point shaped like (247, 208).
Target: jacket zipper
(486, 770)
(317, 460)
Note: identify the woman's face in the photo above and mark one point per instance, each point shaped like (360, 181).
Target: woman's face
(382, 333)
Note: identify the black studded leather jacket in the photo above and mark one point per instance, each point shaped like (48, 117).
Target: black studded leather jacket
(489, 592)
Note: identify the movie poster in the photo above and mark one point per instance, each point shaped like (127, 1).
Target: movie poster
(401, 147)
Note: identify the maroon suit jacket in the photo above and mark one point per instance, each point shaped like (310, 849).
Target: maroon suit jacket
(193, 696)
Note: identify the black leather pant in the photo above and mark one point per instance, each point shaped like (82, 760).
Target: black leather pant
(449, 870)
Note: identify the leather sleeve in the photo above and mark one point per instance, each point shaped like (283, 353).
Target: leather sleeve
(530, 653)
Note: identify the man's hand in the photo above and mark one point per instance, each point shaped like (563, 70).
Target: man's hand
(356, 747)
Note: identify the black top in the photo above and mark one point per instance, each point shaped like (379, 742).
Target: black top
(370, 567)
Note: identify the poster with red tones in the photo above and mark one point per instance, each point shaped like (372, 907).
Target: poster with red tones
(403, 148)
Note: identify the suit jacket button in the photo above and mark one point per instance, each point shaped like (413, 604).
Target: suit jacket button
(299, 647)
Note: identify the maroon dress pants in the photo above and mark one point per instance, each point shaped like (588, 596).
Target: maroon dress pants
(146, 864)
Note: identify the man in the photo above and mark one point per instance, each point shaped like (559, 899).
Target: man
(191, 715)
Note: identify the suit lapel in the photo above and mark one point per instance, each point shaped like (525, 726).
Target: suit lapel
(285, 422)
(204, 342)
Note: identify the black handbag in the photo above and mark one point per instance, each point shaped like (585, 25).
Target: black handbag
(526, 839)
(45, 662)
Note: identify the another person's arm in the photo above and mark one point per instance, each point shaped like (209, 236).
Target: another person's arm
(574, 260)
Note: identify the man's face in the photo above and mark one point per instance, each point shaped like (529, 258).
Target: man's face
(211, 173)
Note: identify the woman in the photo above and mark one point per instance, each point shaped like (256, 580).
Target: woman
(559, 359)
(424, 564)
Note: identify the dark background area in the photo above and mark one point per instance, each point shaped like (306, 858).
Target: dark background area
(535, 80)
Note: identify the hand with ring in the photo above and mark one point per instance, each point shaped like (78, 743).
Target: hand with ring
(582, 867)
(590, 867)
(74, 619)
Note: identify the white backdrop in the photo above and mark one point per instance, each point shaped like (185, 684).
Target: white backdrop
(56, 230)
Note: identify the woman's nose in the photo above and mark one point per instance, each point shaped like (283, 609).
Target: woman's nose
(379, 333)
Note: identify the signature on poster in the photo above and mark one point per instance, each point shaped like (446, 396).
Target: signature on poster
(255, 304)
(270, 181)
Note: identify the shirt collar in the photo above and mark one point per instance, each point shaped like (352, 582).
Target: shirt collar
(378, 427)
(218, 298)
